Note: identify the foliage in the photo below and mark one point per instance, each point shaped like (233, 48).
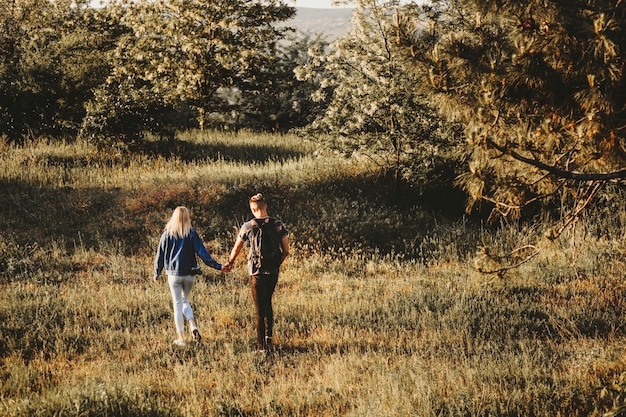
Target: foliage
(285, 102)
(186, 54)
(52, 55)
(374, 106)
(122, 111)
(127, 68)
(539, 87)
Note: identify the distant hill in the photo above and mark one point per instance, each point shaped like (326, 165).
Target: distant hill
(332, 23)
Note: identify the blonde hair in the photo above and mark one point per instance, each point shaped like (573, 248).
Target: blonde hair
(179, 224)
(259, 200)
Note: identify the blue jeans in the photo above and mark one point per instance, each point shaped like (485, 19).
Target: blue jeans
(180, 287)
(263, 287)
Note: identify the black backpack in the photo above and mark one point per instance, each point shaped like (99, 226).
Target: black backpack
(266, 246)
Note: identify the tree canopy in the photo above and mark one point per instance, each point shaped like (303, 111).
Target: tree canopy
(52, 56)
(539, 86)
(374, 109)
(181, 52)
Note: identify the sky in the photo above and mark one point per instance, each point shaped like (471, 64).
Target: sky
(322, 4)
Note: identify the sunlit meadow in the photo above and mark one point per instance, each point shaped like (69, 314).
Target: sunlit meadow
(381, 310)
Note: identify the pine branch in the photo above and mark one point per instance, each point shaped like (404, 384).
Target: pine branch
(592, 190)
(558, 172)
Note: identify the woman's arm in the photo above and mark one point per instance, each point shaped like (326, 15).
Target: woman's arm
(200, 250)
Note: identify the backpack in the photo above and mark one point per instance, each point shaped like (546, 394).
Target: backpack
(266, 246)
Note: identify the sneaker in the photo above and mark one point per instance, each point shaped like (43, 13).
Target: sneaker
(179, 342)
(196, 335)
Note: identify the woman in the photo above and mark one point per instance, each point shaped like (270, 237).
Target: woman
(263, 277)
(177, 251)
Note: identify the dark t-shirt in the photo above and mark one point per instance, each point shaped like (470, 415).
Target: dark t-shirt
(248, 232)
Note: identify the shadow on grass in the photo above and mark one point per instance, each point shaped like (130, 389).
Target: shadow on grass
(41, 215)
(194, 152)
(361, 212)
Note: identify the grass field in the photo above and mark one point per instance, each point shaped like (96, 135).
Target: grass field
(380, 311)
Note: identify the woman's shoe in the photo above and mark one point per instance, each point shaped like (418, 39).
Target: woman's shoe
(196, 335)
(179, 342)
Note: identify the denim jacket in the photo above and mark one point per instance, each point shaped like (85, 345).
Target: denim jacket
(178, 255)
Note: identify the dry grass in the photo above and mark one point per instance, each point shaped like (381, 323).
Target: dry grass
(410, 330)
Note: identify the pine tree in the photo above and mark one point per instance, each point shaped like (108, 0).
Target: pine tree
(539, 86)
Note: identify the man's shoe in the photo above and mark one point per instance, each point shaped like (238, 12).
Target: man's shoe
(179, 342)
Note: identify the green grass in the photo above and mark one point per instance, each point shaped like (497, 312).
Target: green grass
(379, 312)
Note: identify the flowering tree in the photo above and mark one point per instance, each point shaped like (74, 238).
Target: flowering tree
(187, 52)
(374, 108)
(52, 56)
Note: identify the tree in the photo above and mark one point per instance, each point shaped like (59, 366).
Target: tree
(285, 102)
(188, 52)
(539, 86)
(374, 108)
(51, 58)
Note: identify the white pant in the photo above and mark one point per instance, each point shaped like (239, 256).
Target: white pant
(181, 286)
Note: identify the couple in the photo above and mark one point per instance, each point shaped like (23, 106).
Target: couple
(177, 251)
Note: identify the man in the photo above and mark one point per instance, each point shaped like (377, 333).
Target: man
(263, 232)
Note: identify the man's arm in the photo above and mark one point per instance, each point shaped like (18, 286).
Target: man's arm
(235, 252)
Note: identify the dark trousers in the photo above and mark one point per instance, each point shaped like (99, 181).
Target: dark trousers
(263, 287)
